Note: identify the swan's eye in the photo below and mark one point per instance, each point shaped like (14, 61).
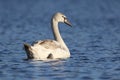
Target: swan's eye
(64, 18)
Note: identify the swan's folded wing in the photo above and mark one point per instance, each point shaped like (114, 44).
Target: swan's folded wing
(48, 44)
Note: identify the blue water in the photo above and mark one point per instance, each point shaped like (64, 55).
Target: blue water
(94, 39)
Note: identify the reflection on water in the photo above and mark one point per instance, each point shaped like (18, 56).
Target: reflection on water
(93, 40)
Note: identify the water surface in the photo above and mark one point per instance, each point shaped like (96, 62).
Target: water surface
(94, 39)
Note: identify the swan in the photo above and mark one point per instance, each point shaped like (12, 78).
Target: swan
(50, 49)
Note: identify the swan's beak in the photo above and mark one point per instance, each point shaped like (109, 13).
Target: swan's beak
(67, 22)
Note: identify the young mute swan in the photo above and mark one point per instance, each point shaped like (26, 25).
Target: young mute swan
(50, 49)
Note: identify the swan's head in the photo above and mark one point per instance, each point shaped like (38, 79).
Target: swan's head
(59, 17)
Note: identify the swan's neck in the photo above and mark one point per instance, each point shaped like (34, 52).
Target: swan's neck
(57, 35)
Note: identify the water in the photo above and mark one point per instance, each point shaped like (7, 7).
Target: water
(94, 39)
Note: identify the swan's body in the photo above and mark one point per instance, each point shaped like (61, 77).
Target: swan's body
(50, 49)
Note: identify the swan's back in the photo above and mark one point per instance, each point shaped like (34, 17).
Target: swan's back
(48, 44)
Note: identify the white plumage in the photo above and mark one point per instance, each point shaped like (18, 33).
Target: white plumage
(50, 49)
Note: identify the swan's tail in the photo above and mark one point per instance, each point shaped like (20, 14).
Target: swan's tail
(27, 48)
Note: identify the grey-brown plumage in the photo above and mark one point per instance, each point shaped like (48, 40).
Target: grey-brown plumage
(49, 44)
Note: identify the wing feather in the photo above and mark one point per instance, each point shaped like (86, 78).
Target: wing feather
(48, 44)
